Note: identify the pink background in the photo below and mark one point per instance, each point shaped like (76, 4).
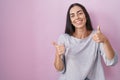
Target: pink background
(28, 27)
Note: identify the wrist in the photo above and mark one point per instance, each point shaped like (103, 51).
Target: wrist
(58, 54)
(106, 41)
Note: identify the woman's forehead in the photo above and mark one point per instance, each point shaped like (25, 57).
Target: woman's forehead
(75, 9)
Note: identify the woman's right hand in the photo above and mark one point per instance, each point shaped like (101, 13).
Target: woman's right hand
(60, 49)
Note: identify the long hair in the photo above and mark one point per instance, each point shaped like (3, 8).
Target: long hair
(70, 29)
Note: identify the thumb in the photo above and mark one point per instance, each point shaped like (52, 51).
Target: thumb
(98, 29)
(54, 44)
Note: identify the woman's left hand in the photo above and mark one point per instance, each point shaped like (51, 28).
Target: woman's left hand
(99, 37)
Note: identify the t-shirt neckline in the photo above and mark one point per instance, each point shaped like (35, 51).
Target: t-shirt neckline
(82, 38)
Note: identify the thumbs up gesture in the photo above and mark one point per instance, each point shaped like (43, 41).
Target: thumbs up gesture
(60, 49)
(99, 37)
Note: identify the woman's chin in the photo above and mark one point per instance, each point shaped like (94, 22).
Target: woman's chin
(79, 26)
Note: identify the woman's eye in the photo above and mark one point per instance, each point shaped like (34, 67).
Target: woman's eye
(80, 13)
(71, 15)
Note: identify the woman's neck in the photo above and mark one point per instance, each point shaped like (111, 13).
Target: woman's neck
(81, 33)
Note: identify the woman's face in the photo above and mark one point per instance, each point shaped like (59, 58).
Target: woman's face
(77, 17)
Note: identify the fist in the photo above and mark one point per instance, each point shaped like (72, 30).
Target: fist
(99, 37)
(60, 49)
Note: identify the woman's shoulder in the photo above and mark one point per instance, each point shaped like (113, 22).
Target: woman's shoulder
(93, 31)
(63, 38)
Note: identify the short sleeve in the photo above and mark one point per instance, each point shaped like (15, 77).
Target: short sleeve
(107, 61)
(61, 39)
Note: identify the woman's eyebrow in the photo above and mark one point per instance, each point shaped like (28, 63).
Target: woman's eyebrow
(79, 11)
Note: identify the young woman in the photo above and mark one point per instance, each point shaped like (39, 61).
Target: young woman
(79, 49)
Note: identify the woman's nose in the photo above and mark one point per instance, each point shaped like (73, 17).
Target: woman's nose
(76, 16)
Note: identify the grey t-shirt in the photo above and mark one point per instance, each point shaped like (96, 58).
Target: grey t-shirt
(83, 58)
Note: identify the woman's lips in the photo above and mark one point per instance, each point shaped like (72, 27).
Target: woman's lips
(78, 22)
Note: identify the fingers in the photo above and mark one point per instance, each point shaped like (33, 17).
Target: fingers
(99, 36)
(60, 48)
(96, 38)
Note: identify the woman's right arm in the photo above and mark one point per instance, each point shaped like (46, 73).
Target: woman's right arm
(58, 63)
(60, 50)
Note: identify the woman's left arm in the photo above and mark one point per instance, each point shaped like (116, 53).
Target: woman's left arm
(99, 37)
(108, 49)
